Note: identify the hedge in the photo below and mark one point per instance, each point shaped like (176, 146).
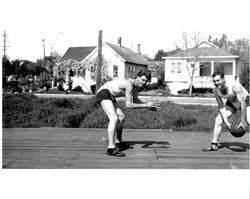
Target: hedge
(27, 110)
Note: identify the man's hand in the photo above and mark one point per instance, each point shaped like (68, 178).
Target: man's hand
(154, 105)
(227, 124)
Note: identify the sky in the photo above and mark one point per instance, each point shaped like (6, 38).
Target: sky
(154, 24)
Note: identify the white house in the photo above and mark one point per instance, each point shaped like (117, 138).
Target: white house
(122, 63)
(210, 59)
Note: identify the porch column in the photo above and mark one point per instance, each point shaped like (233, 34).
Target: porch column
(234, 69)
(212, 68)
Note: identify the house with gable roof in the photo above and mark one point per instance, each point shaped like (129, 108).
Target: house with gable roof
(210, 59)
(122, 63)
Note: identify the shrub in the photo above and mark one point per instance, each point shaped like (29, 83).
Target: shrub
(16, 109)
(173, 116)
(46, 84)
(60, 87)
(77, 89)
(26, 110)
(196, 90)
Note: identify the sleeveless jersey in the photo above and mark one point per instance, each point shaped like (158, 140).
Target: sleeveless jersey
(231, 96)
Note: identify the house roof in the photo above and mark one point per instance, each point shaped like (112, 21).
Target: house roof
(128, 55)
(205, 49)
(77, 53)
(178, 50)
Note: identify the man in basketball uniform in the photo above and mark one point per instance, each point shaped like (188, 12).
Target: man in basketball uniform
(237, 98)
(106, 97)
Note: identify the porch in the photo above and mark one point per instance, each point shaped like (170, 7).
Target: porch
(207, 68)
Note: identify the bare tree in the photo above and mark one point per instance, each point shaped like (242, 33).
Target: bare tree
(191, 51)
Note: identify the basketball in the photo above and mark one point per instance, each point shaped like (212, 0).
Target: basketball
(237, 132)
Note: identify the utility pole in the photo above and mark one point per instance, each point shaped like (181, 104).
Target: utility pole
(99, 62)
(51, 50)
(43, 48)
(4, 43)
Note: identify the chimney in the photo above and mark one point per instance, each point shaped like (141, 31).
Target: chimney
(139, 48)
(119, 41)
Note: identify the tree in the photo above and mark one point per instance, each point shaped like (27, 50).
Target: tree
(191, 47)
(159, 55)
(91, 65)
(65, 66)
(241, 48)
(49, 62)
(7, 70)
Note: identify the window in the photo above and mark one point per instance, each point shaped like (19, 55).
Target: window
(205, 68)
(115, 71)
(179, 67)
(173, 68)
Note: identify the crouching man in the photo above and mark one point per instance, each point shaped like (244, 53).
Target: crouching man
(106, 97)
(237, 98)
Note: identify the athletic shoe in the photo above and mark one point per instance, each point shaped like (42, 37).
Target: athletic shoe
(115, 152)
(214, 147)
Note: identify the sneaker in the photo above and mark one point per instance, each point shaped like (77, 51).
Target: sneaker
(123, 146)
(214, 147)
(115, 152)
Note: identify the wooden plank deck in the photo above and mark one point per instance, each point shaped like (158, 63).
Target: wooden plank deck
(61, 148)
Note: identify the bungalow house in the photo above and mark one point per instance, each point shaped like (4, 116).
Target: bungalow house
(210, 58)
(121, 62)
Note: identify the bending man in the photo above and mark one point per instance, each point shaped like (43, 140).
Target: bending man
(237, 99)
(106, 97)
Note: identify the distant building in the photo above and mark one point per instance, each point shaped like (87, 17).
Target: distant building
(122, 63)
(210, 59)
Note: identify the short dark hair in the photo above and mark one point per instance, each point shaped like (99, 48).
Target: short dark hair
(221, 74)
(146, 73)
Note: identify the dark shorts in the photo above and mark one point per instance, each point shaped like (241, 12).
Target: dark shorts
(104, 94)
(236, 105)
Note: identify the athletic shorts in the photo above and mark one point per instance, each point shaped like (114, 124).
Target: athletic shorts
(236, 105)
(104, 94)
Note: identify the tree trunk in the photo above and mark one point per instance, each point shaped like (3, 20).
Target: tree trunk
(191, 84)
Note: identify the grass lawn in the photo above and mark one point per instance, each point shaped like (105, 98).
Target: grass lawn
(27, 110)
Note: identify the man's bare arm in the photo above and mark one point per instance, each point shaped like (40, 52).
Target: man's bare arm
(240, 96)
(222, 108)
(129, 98)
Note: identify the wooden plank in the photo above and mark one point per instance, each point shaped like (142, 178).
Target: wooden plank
(84, 148)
